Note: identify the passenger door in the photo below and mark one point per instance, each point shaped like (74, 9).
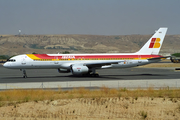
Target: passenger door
(23, 60)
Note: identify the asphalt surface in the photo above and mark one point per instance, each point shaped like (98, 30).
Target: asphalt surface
(52, 75)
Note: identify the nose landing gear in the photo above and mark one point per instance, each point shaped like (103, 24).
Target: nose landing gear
(24, 73)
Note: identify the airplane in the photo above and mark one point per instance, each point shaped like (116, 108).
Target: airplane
(87, 64)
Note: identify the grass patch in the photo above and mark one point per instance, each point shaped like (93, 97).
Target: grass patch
(143, 114)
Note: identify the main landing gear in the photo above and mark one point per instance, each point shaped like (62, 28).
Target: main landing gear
(93, 74)
(24, 73)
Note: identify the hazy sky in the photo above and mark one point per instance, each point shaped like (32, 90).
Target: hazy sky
(98, 17)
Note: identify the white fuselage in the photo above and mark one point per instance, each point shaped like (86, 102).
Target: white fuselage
(24, 62)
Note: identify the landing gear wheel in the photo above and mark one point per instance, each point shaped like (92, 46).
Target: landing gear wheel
(24, 76)
(95, 75)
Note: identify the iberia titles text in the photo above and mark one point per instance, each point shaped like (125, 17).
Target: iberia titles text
(68, 57)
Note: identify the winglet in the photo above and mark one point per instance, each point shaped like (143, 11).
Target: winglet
(153, 45)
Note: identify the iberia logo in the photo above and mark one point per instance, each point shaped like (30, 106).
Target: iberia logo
(155, 43)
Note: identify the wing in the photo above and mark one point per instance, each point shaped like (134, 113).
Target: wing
(100, 64)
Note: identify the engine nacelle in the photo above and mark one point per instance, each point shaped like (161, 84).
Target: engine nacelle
(79, 69)
(61, 70)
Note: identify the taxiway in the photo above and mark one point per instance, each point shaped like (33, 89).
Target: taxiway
(114, 78)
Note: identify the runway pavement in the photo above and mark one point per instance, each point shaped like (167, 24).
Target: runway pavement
(113, 78)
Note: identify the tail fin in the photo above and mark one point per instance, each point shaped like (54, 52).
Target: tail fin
(153, 45)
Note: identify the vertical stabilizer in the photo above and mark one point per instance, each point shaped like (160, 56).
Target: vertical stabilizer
(153, 45)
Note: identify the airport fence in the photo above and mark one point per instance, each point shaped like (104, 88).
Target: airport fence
(129, 84)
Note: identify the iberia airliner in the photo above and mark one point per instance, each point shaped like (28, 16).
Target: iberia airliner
(86, 64)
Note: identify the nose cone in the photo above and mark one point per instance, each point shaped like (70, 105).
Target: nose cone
(6, 65)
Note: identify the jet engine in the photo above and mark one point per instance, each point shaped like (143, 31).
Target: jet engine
(79, 69)
(60, 70)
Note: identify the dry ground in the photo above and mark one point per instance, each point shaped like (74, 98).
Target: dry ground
(115, 108)
(26, 44)
(83, 104)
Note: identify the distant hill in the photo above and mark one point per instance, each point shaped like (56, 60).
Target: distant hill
(15, 44)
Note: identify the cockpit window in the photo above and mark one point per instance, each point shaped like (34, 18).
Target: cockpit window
(11, 60)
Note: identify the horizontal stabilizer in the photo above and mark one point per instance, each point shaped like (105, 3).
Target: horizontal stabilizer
(159, 58)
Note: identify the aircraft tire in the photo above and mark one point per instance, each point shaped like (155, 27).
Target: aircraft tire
(24, 76)
(95, 75)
